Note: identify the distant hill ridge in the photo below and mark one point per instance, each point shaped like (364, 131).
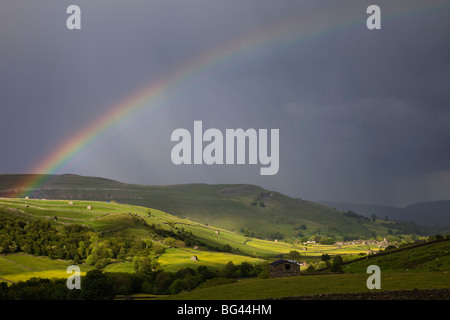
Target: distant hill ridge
(435, 214)
(244, 208)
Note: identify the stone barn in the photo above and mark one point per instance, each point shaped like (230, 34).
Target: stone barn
(284, 268)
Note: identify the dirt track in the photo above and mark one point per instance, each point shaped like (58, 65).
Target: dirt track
(432, 294)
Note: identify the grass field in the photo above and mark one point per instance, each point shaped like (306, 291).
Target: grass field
(255, 289)
(126, 267)
(174, 259)
(21, 267)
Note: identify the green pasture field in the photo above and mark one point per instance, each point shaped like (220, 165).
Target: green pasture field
(110, 217)
(126, 267)
(174, 259)
(255, 289)
(21, 267)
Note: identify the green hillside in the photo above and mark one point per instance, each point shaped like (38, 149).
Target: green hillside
(108, 227)
(121, 220)
(256, 289)
(113, 235)
(40, 238)
(430, 257)
(418, 267)
(246, 209)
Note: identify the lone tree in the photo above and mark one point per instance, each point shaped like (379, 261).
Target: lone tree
(337, 264)
(325, 257)
(338, 260)
(294, 255)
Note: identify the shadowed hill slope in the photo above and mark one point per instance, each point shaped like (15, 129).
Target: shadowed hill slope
(242, 208)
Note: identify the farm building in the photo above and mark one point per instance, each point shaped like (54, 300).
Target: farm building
(284, 268)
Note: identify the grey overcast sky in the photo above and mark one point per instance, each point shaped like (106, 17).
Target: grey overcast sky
(364, 115)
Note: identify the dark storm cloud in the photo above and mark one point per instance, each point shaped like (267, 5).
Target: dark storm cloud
(363, 115)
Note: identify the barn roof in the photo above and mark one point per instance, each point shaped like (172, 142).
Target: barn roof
(278, 262)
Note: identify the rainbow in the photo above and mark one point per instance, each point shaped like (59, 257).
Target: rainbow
(195, 72)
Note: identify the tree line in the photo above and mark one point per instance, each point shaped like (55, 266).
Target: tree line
(97, 285)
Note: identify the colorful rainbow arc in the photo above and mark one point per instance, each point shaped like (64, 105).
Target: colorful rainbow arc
(184, 79)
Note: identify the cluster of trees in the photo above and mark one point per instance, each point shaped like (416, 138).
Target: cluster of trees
(438, 237)
(335, 265)
(97, 285)
(256, 202)
(187, 237)
(259, 200)
(40, 238)
(276, 235)
(352, 214)
(75, 243)
(247, 232)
